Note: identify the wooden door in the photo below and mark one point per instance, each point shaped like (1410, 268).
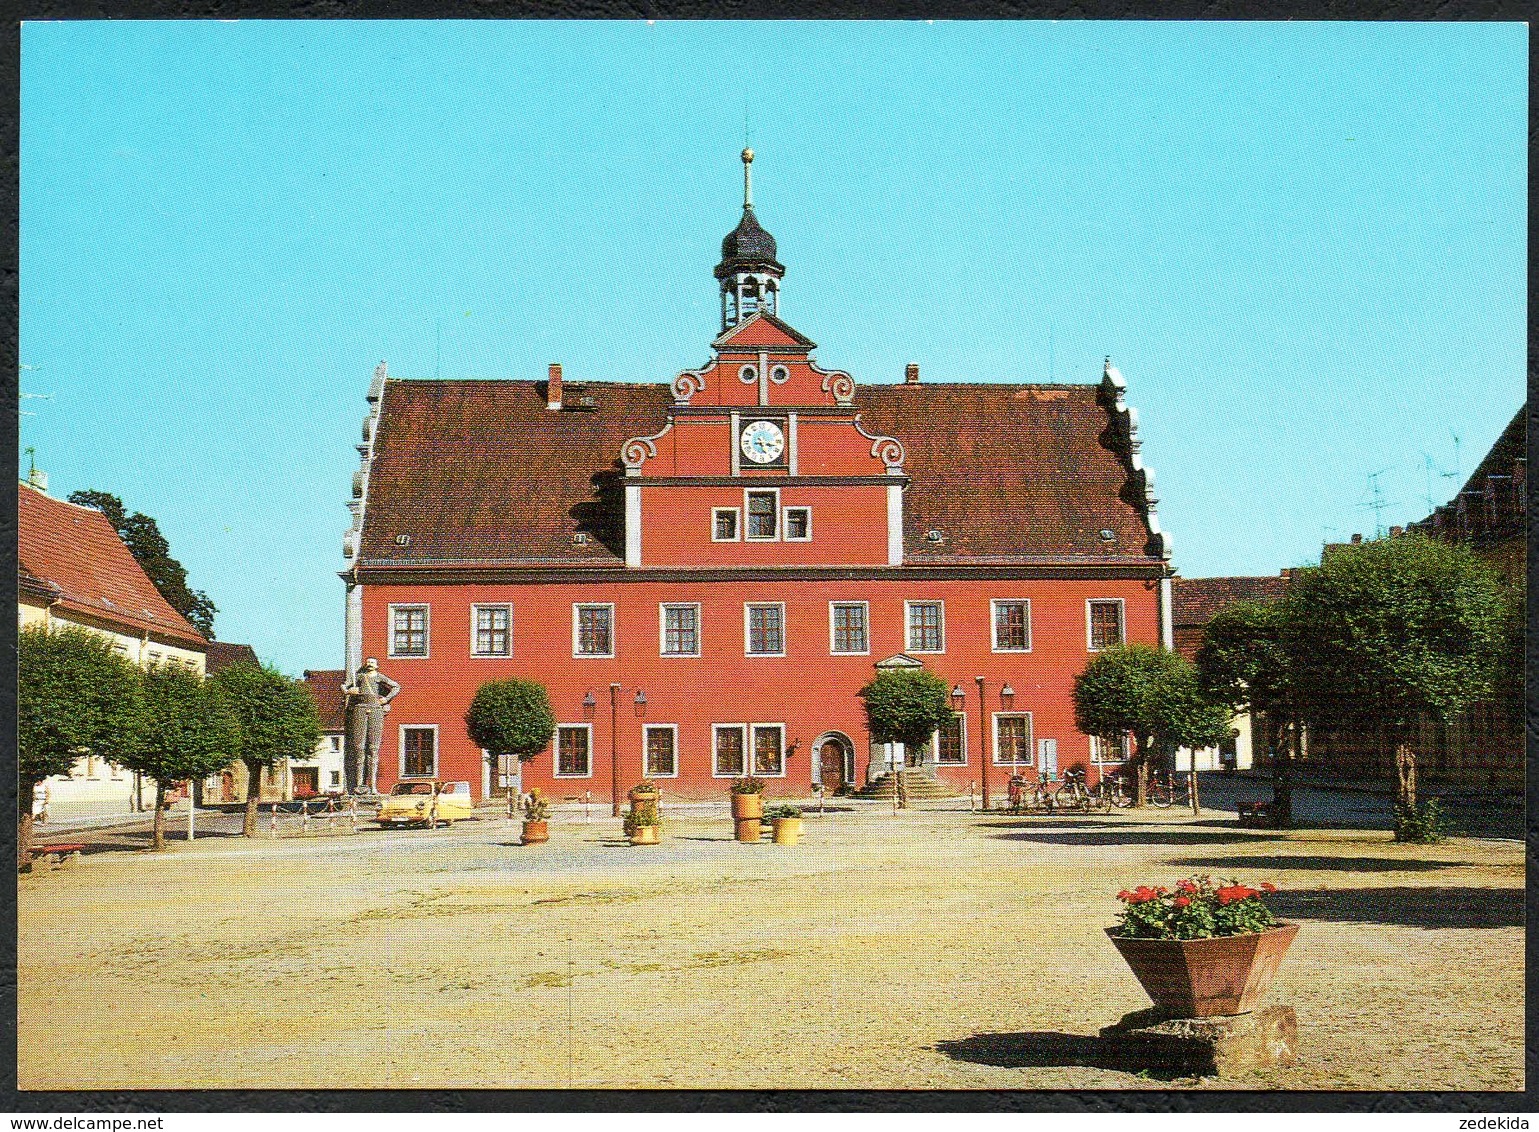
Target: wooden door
(227, 787)
(306, 781)
(831, 764)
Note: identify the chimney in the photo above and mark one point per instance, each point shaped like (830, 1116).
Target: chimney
(38, 479)
(911, 374)
(1396, 532)
(1357, 540)
(553, 388)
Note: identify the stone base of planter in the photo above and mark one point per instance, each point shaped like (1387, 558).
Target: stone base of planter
(1223, 1045)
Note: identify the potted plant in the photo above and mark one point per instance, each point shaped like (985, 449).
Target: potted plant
(787, 824)
(1205, 948)
(644, 791)
(536, 818)
(642, 823)
(747, 798)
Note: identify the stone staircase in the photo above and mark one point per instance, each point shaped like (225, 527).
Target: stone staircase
(919, 786)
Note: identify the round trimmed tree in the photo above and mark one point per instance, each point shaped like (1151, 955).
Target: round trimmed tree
(275, 719)
(906, 707)
(510, 717)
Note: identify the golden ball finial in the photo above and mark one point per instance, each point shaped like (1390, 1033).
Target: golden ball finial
(747, 156)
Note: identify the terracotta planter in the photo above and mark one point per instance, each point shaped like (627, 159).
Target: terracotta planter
(645, 835)
(747, 806)
(535, 832)
(1198, 978)
(642, 797)
(749, 829)
(788, 831)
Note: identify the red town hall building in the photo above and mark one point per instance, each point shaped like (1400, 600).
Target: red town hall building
(703, 574)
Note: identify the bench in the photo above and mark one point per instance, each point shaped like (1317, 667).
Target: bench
(58, 855)
(1257, 814)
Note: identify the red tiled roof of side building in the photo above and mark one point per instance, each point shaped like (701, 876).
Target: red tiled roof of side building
(222, 654)
(77, 550)
(1196, 601)
(325, 688)
(483, 471)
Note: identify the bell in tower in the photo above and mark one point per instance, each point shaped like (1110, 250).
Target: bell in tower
(749, 273)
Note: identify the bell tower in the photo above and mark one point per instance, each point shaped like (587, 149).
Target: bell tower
(749, 273)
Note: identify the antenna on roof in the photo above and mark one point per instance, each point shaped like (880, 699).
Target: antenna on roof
(1376, 501)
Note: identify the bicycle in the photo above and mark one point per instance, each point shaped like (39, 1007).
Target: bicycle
(1162, 792)
(1072, 795)
(1108, 793)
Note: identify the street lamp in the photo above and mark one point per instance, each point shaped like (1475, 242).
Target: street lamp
(983, 746)
(614, 740)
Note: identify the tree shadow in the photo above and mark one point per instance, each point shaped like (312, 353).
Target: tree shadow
(1137, 835)
(1441, 907)
(1036, 1049)
(1318, 863)
(602, 518)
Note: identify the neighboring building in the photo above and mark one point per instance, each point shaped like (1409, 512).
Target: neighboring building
(704, 574)
(74, 570)
(1488, 515)
(1195, 602)
(324, 773)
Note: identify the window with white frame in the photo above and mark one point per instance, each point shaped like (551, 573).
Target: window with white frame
(769, 759)
(724, 524)
(848, 631)
(1108, 751)
(951, 741)
(798, 524)
(408, 630)
(593, 630)
(1012, 739)
(926, 626)
(727, 750)
(661, 744)
(419, 752)
(492, 630)
(1012, 626)
(764, 630)
(763, 509)
(574, 750)
(336, 744)
(680, 629)
(1105, 618)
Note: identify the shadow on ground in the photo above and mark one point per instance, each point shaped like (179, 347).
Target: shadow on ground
(1086, 833)
(1048, 1049)
(1314, 863)
(1445, 907)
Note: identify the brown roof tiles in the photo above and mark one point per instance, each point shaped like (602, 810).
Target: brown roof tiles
(325, 688)
(1196, 601)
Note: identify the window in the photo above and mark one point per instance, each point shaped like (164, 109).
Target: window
(926, 626)
(1012, 740)
(724, 524)
(1105, 623)
(408, 630)
(336, 779)
(574, 750)
(763, 506)
(681, 630)
(951, 745)
(336, 744)
(727, 757)
(1012, 626)
(419, 752)
(492, 630)
(1108, 750)
(848, 627)
(798, 524)
(769, 749)
(765, 629)
(661, 745)
(593, 630)
(154, 658)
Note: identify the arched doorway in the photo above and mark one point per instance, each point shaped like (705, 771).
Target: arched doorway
(833, 760)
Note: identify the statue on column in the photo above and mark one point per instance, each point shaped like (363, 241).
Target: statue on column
(368, 699)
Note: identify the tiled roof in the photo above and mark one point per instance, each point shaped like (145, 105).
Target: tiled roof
(1196, 601)
(77, 550)
(482, 471)
(222, 654)
(325, 688)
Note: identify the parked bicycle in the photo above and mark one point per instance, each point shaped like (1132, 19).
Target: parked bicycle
(1162, 792)
(1108, 793)
(1072, 795)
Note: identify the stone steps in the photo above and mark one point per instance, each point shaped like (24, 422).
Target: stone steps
(919, 787)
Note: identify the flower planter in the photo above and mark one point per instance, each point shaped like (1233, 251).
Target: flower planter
(1200, 978)
(746, 806)
(787, 831)
(749, 829)
(645, 835)
(643, 797)
(535, 832)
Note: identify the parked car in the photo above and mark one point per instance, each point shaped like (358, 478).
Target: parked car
(412, 803)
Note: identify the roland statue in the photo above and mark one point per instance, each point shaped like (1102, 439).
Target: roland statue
(368, 699)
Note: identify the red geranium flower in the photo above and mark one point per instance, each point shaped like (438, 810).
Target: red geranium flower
(1233, 893)
(1268, 886)
(1181, 901)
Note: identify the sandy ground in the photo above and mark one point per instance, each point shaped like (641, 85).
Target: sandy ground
(925, 950)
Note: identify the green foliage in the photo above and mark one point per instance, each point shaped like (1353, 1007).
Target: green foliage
(1393, 629)
(141, 534)
(510, 717)
(274, 716)
(73, 693)
(1199, 908)
(185, 731)
(1242, 662)
(747, 786)
(785, 811)
(1425, 824)
(1150, 692)
(906, 707)
(642, 815)
(536, 807)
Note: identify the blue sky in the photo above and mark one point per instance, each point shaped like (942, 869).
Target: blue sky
(1303, 244)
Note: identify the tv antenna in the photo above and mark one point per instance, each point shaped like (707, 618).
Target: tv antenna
(1376, 501)
(32, 396)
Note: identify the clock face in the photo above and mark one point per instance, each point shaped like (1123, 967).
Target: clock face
(763, 442)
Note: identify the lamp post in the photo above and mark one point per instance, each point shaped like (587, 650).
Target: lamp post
(614, 742)
(983, 746)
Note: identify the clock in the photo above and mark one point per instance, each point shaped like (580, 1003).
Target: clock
(762, 442)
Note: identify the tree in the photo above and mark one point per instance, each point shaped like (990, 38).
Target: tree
(141, 534)
(1244, 665)
(1152, 694)
(185, 732)
(1389, 631)
(74, 695)
(906, 707)
(274, 718)
(510, 717)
